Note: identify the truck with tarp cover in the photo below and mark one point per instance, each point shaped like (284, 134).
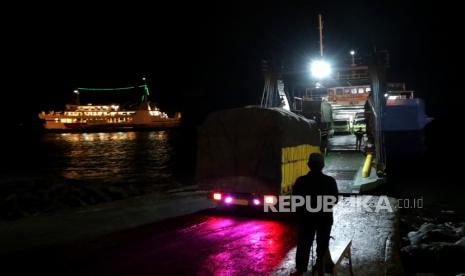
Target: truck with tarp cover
(246, 156)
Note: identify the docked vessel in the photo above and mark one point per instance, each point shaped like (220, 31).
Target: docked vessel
(108, 117)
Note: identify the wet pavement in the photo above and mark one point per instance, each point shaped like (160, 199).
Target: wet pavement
(211, 243)
(205, 243)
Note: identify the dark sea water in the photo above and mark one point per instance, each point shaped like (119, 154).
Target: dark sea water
(47, 172)
(151, 158)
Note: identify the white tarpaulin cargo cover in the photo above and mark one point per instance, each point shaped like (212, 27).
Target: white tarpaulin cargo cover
(241, 150)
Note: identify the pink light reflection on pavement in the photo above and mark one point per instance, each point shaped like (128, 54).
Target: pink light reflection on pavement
(253, 247)
(191, 245)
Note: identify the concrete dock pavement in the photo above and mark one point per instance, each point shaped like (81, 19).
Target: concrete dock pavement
(375, 238)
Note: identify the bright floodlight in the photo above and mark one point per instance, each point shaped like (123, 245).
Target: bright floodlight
(352, 52)
(320, 69)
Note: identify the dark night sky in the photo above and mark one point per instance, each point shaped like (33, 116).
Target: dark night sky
(208, 54)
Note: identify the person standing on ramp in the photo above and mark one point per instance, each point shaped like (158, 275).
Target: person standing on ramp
(311, 186)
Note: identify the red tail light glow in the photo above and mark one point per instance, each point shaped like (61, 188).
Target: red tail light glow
(269, 199)
(217, 196)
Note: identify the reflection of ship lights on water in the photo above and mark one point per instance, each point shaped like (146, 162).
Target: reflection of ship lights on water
(103, 136)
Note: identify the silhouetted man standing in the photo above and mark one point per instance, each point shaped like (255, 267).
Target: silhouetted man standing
(315, 184)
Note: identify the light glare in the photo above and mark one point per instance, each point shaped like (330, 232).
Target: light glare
(320, 69)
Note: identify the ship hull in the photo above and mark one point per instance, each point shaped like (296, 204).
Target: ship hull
(102, 121)
(83, 127)
(111, 128)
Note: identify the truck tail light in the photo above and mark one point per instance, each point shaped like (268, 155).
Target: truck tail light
(269, 199)
(217, 196)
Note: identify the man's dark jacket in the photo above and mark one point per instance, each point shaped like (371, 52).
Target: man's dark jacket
(315, 184)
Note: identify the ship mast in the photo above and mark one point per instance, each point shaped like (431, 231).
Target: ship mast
(78, 101)
(145, 97)
(320, 27)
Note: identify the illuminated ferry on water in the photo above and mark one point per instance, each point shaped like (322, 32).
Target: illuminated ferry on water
(77, 117)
